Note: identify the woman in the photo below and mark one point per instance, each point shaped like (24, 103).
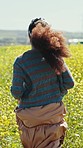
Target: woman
(40, 81)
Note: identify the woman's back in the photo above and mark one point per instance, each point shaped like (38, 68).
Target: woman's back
(40, 80)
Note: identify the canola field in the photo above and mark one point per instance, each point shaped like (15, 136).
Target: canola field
(9, 136)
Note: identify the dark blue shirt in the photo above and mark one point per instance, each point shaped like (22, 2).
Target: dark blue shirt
(35, 83)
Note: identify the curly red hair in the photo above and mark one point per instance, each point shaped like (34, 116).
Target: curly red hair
(51, 44)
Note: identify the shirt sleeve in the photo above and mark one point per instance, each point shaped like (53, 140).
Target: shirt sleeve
(65, 81)
(17, 88)
(68, 81)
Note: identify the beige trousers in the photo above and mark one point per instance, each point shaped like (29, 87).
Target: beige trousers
(42, 127)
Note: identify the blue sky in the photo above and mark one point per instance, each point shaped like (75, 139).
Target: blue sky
(65, 15)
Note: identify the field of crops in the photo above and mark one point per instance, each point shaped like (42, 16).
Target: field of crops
(9, 136)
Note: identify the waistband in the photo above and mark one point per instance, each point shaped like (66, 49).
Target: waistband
(49, 114)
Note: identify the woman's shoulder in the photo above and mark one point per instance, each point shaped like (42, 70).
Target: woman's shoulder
(27, 55)
(23, 55)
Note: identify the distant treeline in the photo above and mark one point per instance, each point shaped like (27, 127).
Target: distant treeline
(20, 37)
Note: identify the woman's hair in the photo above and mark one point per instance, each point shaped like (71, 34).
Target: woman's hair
(51, 44)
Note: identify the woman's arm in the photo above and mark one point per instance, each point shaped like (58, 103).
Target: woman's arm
(17, 88)
(68, 81)
(65, 80)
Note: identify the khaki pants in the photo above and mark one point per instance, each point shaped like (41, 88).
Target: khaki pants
(42, 127)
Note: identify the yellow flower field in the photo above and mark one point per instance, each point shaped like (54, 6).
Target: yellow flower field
(9, 136)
